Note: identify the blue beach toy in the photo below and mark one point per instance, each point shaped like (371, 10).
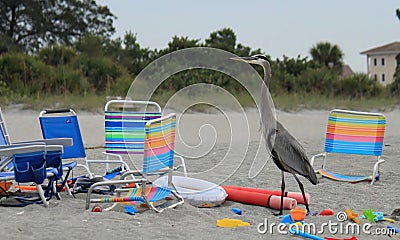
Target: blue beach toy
(237, 211)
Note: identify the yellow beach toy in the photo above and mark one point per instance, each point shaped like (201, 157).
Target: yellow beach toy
(231, 223)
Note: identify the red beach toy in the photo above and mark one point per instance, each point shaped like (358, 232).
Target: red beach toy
(327, 212)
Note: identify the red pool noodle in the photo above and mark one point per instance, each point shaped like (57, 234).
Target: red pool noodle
(259, 199)
(295, 195)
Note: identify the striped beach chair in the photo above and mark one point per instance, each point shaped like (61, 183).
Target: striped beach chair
(124, 128)
(353, 132)
(158, 154)
(125, 122)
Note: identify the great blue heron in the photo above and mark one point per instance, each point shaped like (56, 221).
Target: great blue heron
(287, 153)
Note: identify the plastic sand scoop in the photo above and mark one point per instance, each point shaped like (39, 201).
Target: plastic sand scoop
(231, 223)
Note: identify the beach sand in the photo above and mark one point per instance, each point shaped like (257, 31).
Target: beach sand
(223, 157)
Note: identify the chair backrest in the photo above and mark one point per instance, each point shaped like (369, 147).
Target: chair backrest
(125, 130)
(54, 125)
(159, 144)
(4, 136)
(354, 132)
(4, 141)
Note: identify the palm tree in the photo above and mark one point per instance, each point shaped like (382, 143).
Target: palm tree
(324, 53)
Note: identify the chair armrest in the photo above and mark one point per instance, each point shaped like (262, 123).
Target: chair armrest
(113, 155)
(321, 155)
(11, 150)
(131, 172)
(112, 161)
(66, 142)
(21, 144)
(183, 165)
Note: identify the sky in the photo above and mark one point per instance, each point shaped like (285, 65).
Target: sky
(278, 27)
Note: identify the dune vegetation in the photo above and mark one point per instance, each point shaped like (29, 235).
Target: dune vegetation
(68, 63)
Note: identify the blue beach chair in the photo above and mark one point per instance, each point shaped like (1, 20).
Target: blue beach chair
(33, 164)
(53, 162)
(64, 124)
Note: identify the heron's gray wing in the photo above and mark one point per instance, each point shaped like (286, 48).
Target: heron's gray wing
(292, 154)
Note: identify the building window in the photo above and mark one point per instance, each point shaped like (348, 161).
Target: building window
(375, 61)
(375, 77)
(383, 61)
(383, 77)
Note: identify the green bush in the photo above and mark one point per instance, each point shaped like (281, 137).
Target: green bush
(321, 80)
(5, 92)
(26, 75)
(121, 86)
(100, 73)
(71, 81)
(359, 86)
(57, 55)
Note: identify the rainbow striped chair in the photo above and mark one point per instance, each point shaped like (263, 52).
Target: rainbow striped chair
(125, 122)
(353, 132)
(158, 154)
(124, 130)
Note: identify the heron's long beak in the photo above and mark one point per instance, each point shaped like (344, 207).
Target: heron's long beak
(244, 59)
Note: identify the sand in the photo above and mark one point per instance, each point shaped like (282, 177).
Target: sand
(222, 154)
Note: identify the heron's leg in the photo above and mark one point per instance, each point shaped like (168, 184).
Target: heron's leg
(282, 194)
(302, 191)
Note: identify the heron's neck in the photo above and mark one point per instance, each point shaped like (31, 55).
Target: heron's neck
(267, 73)
(267, 114)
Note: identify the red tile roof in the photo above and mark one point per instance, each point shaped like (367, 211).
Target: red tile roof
(393, 47)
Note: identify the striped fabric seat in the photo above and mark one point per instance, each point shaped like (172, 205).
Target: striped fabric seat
(134, 195)
(343, 178)
(124, 131)
(353, 132)
(159, 145)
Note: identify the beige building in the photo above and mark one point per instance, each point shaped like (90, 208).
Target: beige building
(381, 62)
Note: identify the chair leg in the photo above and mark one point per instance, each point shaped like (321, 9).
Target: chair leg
(56, 193)
(65, 184)
(376, 170)
(41, 194)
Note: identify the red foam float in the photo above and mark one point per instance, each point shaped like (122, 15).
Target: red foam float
(295, 195)
(259, 199)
